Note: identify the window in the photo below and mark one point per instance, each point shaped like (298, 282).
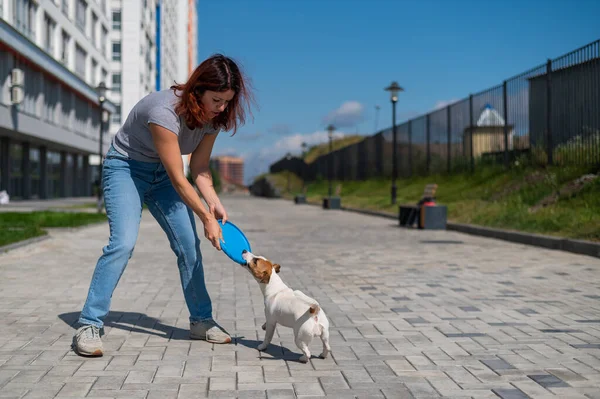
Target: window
(116, 82)
(94, 29)
(35, 171)
(116, 19)
(103, 75)
(15, 188)
(116, 51)
(94, 79)
(80, 56)
(48, 36)
(80, 14)
(24, 12)
(116, 117)
(53, 171)
(65, 7)
(104, 41)
(66, 41)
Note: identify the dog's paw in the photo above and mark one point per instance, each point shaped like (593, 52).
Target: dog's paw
(324, 355)
(264, 326)
(303, 359)
(262, 347)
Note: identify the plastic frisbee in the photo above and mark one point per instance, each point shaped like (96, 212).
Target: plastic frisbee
(234, 242)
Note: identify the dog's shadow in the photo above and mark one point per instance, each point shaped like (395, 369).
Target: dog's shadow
(142, 323)
(273, 351)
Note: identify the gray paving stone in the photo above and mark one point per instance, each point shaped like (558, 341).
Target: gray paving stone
(497, 364)
(510, 393)
(549, 381)
(422, 325)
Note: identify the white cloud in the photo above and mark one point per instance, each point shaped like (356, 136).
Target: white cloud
(349, 114)
(258, 162)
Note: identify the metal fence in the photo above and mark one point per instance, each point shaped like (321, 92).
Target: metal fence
(549, 115)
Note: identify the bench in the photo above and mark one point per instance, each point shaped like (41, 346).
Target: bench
(426, 213)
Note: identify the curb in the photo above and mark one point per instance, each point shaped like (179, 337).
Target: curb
(580, 247)
(23, 243)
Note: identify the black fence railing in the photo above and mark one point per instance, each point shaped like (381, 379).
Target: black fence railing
(549, 115)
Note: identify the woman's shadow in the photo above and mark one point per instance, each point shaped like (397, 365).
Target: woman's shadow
(142, 323)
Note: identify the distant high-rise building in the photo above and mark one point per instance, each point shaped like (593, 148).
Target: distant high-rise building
(53, 54)
(176, 56)
(230, 168)
(133, 55)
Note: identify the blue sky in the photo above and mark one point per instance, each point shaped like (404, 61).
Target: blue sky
(312, 60)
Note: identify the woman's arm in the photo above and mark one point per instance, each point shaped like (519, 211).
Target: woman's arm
(167, 146)
(200, 170)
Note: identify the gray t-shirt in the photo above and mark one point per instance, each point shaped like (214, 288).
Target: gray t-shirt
(134, 139)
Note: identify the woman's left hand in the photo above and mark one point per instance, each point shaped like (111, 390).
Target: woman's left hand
(218, 211)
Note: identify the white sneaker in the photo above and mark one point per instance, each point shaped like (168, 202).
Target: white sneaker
(87, 342)
(210, 331)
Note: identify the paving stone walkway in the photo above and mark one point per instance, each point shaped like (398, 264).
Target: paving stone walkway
(414, 314)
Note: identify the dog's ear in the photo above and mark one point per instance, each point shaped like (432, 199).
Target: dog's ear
(277, 266)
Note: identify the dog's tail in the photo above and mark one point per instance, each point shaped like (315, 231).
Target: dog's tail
(314, 309)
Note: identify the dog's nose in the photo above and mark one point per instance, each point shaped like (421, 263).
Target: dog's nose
(244, 251)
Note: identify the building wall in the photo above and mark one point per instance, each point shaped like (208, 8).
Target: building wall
(47, 139)
(133, 69)
(64, 29)
(192, 36)
(230, 168)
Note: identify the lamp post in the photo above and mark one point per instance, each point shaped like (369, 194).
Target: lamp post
(303, 174)
(101, 91)
(330, 130)
(288, 157)
(394, 89)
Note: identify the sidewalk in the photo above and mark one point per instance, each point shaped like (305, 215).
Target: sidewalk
(414, 314)
(71, 203)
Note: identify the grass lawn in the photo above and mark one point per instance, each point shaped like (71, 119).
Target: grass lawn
(18, 226)
(490, 197)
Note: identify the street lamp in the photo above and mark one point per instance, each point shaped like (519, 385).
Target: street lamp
(101, 91)
(288, 157)
(394, 89)
(330, 130)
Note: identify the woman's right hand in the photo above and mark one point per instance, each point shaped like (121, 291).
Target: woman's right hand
(212, 231)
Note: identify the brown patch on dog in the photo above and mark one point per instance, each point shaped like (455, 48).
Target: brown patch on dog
(312, 310)
(261, 269)
(277, 267)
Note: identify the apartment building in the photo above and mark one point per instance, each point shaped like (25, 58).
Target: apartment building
(230, 168)
(153, 45)
(53, 54)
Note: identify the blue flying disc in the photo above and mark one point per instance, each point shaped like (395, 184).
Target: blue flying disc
(234, 242)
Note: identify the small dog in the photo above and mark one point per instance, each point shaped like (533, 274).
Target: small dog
(287, 307)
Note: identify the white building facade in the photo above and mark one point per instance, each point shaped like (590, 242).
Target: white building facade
(152, 46)
(132, 55)
(53, 53)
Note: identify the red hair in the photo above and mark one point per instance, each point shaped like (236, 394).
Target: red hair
(217, 73)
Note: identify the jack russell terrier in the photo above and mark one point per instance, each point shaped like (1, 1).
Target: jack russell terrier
(287, 307)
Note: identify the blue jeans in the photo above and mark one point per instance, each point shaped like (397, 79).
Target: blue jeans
(127, 184)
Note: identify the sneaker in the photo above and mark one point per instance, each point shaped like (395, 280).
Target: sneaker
(86, 341)
(210, 331)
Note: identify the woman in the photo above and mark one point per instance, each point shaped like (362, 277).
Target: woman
(144, 165)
